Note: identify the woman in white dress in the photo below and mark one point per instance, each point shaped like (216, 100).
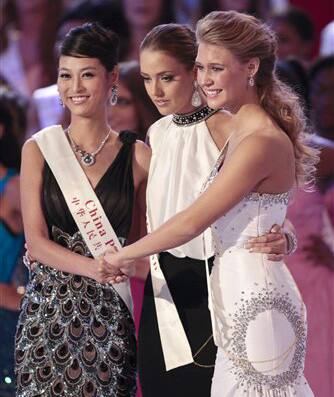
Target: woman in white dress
(259, 318)
(188, 139)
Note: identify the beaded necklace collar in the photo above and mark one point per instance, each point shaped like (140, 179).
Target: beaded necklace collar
(194, 117)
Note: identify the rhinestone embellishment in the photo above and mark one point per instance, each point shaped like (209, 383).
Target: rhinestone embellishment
(75, 336)
(193, 118)
(248, 309)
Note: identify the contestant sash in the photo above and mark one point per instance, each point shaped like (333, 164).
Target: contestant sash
(80, 198)
(175, 346)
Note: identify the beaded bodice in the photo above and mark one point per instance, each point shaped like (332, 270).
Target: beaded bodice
(253, 216)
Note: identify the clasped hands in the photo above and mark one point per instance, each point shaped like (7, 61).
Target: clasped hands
(113, 269)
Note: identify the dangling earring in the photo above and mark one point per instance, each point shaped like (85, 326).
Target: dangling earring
(113, 98)
(61, 103)
(251, 81)
(196, 99)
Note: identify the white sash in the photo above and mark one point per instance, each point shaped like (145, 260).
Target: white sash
(80, 198)
(175, 346)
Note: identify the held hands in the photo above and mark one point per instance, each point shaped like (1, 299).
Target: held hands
(113, 269)
(273, 243)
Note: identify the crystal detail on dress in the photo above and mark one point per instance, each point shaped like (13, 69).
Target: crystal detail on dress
(75, 336)
(247, 310)
(259, 318)
(194, 117)
(269, 198)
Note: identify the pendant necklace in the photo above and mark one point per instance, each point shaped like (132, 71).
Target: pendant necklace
(88, 159)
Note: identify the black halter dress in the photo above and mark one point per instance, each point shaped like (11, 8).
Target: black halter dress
(76, 337)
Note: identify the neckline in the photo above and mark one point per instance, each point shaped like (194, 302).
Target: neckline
(192, 118)
(110, 166)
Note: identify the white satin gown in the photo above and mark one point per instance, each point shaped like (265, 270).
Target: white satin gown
(259, 318)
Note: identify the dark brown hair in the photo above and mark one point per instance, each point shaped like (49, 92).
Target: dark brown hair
(92, 41)
(177, 40)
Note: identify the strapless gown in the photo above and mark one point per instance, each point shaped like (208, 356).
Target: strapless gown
(258, 314)
(259, 318)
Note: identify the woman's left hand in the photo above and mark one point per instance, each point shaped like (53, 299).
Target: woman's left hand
(114, 268)
(273, 243)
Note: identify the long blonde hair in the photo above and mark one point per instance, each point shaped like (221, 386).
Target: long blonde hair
(247, 37)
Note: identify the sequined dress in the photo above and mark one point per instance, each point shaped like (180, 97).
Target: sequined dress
(76, 337)
(259, 318)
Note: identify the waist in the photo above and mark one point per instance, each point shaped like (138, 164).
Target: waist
(221, 245)
(74, 242)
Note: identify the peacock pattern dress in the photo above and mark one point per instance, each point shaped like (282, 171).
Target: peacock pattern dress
(75, 336)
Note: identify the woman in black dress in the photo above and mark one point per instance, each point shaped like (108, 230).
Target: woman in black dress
(76, 336)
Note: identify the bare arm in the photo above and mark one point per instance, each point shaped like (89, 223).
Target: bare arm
(142, 157)
(245, 166)
(40, 247)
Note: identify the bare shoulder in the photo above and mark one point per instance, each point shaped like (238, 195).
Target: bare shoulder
(268, 143)
(276, 137)
(30, 148)
(32, 155)
(142, 155)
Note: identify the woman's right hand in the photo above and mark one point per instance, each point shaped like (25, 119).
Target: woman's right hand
(28, 260)
(96, 270)
(100, 272)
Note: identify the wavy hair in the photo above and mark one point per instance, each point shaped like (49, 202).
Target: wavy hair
(246, 37)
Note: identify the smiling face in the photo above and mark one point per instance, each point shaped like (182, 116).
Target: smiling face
(168, 82)
(84, 85)
(222, 77)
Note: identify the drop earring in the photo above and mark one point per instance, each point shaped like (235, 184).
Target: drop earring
(251, 81)
(196, 99)
(114, 96)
